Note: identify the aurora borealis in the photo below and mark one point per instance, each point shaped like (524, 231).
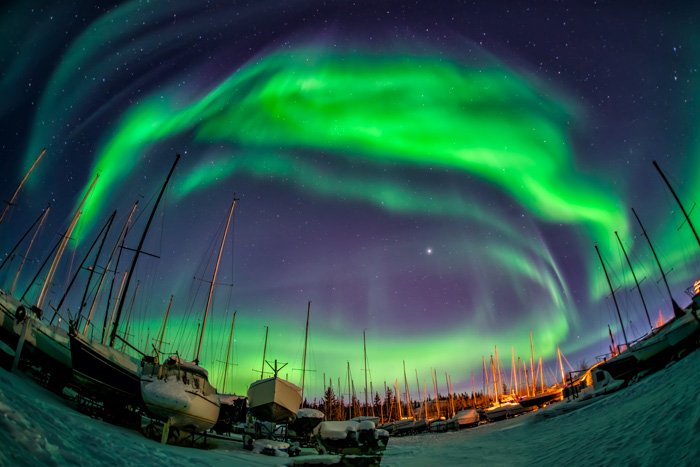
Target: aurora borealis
(435, 173)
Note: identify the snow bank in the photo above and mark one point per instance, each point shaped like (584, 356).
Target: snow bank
(653, 422)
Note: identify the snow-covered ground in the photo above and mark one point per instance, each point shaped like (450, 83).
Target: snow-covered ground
(653, 422)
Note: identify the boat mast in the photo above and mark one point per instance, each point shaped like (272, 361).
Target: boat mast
(408, 396)
(677, 312)
(532, 366)
(527, 380)
(303, 365)
(94, 265)
(486, 378)
(349, 393)
(109, 317)
(131, 309)
(398, 399)
(262, 372)
(40, 220)
(105, 231)
(103, 278)
(563, 380)
(449, 386)
(14, 196)
(228, 352)
(62, 247)
(636, 282)
(495, 383)
(213, 281)
(613, 295)
(500, 381)
(513, 371)
(41, 268)
(138, 252)
(687, 218)
(473, 391)
(417, 388)
(437, 395)
(364, 344)
(161, 334)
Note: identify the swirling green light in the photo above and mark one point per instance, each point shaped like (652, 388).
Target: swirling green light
(414, 110)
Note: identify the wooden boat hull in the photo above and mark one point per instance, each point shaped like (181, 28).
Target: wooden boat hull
(105, 371)
(274, 400)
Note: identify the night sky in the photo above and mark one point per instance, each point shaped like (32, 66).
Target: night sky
(436, 173)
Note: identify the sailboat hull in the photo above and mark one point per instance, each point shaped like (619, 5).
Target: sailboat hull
(274, 400)
(541, 399)
(179, 392)
(184, 407)
(105, 371)
(466, 418)
(46, 346)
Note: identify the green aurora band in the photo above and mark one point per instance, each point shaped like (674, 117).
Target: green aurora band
(385, 110)
(419, 111)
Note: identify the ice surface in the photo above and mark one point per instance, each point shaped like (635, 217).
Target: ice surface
(653, 422)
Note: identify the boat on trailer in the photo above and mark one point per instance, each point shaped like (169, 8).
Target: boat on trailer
(540, 400)
(465, 419)
(274, 400)
(179, 393)
(105, 371)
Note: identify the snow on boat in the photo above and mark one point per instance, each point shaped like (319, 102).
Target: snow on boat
(404, 426)
(438, 425)
(352, 437)
(307, 420)
(274, 400)
(362, 418)
(179, 392)
(465, 418)
(269, 447)
(505, 410)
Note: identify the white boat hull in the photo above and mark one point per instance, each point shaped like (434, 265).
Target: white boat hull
(52, 342)
(183, 406)
(179, 392)
(466, 418)
(274, 400)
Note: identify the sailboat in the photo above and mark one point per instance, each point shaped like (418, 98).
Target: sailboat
(274, 399)
(179, 392)
(666, 342)
(108, 373)
(47, 345)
